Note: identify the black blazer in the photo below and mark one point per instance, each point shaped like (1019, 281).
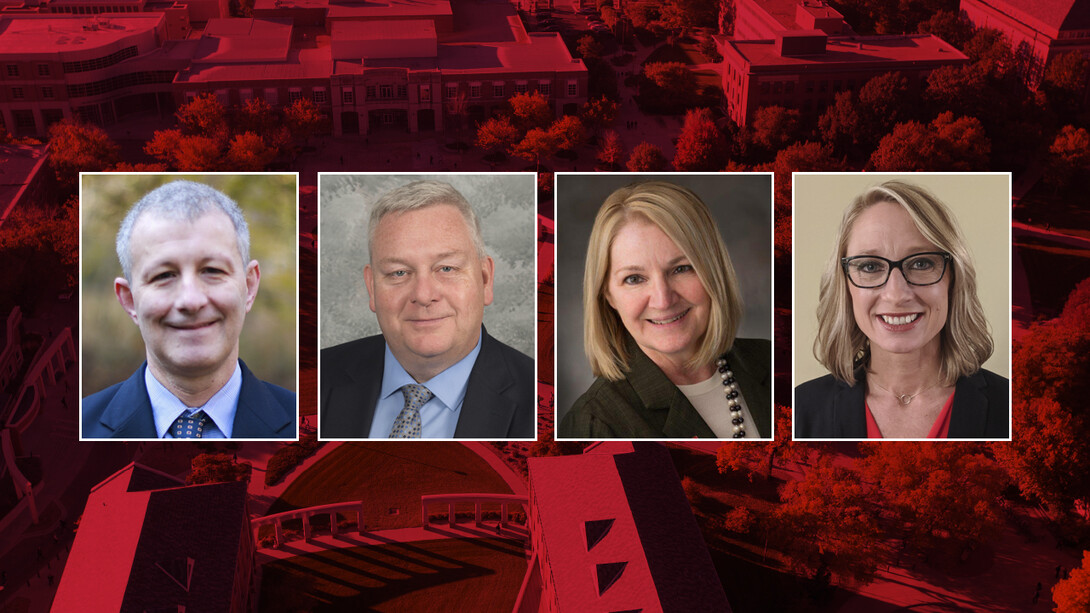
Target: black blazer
(646, 404)
(827, 408)
(500, 397)
(123, 410)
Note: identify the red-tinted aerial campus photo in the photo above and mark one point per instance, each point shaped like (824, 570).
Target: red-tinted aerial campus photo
(257, 97)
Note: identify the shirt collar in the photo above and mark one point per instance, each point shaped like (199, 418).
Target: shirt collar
(448, 386)
(220, 408)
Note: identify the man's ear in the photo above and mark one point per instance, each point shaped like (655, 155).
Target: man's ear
(369, 281)
(124, 296)
(253, 280)
(488, 272)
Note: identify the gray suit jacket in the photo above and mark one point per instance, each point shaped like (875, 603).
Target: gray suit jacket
(500, 397)
(646, 404)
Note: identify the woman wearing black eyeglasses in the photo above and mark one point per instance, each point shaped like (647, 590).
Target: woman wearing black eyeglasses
(901, 329)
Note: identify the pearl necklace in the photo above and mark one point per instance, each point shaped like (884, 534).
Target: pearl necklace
(732, 391)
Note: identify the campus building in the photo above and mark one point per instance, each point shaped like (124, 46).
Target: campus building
(761, 19)
(147, 542)
(96, 68)
(799, 54)
(612, 530)
(1038, 31)
(400, 65)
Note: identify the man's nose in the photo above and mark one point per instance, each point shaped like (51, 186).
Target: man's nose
(192, 293)
(425, 289)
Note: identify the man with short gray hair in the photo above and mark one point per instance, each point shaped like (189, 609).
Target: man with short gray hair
(188, 282)
(434, 372)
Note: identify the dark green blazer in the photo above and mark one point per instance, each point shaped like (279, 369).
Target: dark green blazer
(645, 404)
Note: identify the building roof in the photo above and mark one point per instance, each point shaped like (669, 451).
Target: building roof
(379, 9)
(244, 40)
(395, 29)
(543, 52)
(136, 548)
(785, 11)
(299, 64)
(53, 33)
(1048, 16)
(847, 50)
(389, 9)
(621, 535)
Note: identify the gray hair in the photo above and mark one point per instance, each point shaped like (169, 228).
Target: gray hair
(180, 200)
(419, 195)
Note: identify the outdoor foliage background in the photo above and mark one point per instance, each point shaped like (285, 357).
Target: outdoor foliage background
(111, 347)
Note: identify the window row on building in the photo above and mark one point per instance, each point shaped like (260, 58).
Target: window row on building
(115, 83)
(99, 63)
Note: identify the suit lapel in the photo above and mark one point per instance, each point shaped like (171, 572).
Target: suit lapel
(849, 408)
(350, 407)
(258, 415)
(129, 413)
(486, 412)
(658, 394)
(969, 416)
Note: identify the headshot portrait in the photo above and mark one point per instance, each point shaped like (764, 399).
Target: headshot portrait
(188, 290)
(427, 306)
(902, 306)
(663, 306)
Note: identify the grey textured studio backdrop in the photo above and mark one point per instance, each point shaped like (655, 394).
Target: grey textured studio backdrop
(507, 209)
(742, 207)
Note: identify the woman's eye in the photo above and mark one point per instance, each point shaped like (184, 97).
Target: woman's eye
(632, 280)
(683, 268)
(922, 264)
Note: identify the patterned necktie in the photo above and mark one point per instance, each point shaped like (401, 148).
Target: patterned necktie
(407, 424)
(191, 426)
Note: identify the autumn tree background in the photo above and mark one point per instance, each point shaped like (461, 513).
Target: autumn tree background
(112, 346)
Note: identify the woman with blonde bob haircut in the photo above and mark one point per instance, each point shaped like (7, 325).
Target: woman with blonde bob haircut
(904, 350)
(660, 312)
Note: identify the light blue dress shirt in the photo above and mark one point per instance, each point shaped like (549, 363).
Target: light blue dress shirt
(220, 408)
(439, 416)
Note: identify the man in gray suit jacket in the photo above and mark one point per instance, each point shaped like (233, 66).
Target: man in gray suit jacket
(434, 372)
(188, 283)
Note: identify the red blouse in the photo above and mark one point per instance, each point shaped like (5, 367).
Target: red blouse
(940, 429)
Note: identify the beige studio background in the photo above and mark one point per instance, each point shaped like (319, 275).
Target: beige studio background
(111, 348)
(982, 205)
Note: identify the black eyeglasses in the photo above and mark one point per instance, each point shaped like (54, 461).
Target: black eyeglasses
(871, 271)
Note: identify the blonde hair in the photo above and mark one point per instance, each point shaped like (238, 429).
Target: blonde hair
(966, 339)
(685, 220)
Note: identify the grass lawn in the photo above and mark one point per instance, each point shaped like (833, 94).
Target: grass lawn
(390, 478)
(480, 575)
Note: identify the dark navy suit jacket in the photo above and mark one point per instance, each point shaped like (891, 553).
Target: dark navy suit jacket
(124, 410)
(499, 403)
